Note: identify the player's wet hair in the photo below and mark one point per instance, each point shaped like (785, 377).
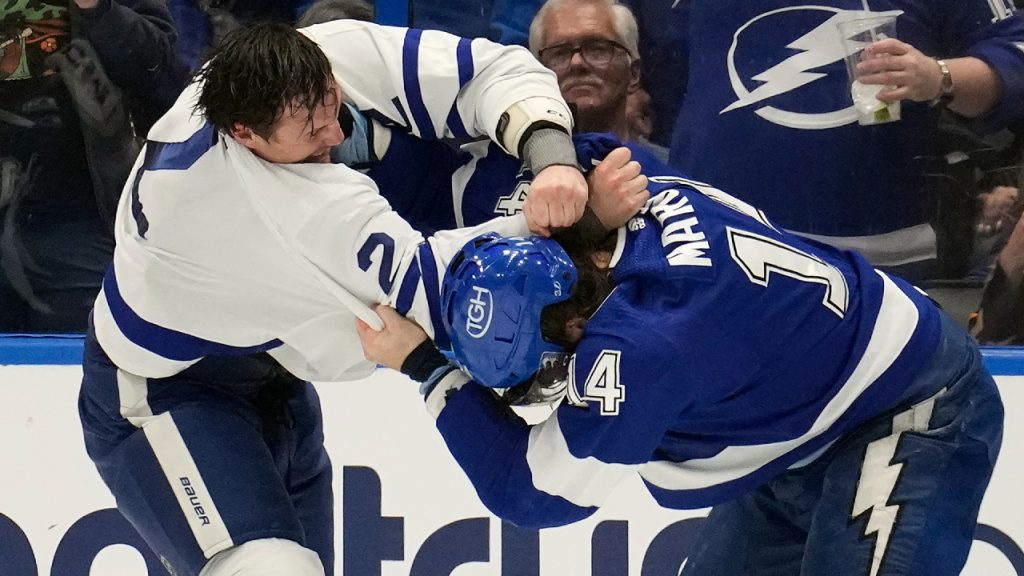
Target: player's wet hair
(260, 71)
(592, 286)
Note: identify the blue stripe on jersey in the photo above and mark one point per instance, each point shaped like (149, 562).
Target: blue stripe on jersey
(170, 156)
(141, 222)
(181, 155)
(407, 292)
(401, 111)
(464, 56)
(411, 78)
(166, 342)
(387, 121)
(428, 267)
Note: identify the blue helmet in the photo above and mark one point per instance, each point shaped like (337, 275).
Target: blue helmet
(491, 299)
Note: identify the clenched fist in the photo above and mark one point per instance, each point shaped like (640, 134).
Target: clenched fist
(618, 189)
(557, 198)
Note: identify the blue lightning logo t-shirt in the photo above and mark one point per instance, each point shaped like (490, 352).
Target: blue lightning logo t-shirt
(769, 116)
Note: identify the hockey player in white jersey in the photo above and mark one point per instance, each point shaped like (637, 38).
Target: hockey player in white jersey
(243, 257)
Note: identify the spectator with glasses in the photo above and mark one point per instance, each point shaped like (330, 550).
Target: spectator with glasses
(591, 45)
(436, 186)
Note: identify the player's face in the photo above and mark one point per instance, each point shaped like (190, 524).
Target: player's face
(599, 73)
(298, 137)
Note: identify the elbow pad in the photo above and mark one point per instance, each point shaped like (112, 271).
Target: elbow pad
(525, 117)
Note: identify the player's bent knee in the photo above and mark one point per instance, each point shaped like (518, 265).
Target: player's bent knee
(266, 557)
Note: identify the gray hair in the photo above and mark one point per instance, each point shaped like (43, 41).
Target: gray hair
(622, 19)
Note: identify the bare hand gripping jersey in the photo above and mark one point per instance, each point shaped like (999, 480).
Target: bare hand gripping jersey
(219, 252)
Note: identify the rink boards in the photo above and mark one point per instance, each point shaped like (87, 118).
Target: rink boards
(402, 505)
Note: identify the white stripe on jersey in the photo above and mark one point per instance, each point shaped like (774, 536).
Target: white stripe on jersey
(582, 481)
(462, 176)
(894, 326)
(133, 396)
(437, 399)
(211, 533)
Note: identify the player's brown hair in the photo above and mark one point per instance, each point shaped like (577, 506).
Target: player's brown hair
(593, 285)
(257, 72)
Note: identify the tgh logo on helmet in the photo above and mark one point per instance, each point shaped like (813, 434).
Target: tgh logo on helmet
(478, 314)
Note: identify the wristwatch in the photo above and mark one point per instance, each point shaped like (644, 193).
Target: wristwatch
(945, 95)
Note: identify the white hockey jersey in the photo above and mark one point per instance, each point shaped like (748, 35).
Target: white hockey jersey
(220, 252)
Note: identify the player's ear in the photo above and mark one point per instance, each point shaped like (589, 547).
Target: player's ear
(602, 259)
(244, 135)
(634, 76)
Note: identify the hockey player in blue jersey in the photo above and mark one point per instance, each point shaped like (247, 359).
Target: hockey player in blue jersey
(243, 256)
(834, 418)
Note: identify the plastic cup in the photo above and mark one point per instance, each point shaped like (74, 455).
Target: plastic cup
(856, 35)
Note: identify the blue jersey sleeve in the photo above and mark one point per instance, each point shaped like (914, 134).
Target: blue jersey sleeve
(491, 444)
(415, 176)
(992, 31)
(561, 470)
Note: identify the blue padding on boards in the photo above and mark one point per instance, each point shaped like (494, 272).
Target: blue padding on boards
(1004, 360)
(31, 349)
(63, 349)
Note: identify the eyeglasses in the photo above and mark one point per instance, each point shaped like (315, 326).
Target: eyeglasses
(597, 53)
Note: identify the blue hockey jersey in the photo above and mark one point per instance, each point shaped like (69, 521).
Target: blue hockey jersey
(769, 116)
(436, 186)
(727, 352)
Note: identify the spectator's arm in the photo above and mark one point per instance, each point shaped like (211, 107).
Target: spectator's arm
(909, 74)
(976, 86)
(995, 45)
(1000, 317)
(135, 43)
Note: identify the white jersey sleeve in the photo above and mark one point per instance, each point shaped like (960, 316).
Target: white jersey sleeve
(438, 85)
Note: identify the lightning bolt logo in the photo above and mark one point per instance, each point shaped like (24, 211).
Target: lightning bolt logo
(878, 477)
(819, 47)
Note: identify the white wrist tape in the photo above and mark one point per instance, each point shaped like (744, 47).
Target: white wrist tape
(522, 118)
(437, 398)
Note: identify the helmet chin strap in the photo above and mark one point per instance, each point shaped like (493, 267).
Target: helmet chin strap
(547, 386)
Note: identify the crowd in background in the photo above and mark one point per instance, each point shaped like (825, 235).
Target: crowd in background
(935, 197)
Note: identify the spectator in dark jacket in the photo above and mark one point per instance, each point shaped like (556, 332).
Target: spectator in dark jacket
(327, 10)
(79, 79)
(202, 24)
